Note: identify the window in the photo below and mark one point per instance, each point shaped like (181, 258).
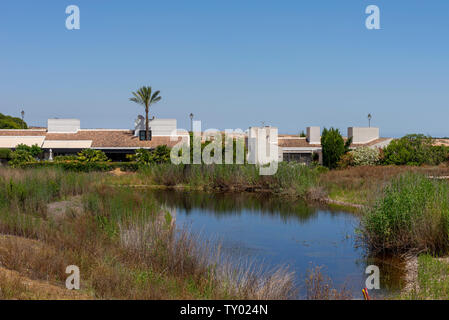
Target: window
(298, 157)
(142, 135)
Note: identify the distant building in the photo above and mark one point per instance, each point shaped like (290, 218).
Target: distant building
(65, 136)
(302, 149)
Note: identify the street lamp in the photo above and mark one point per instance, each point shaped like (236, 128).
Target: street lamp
(23, 116)
(369, 120)
(191, 122)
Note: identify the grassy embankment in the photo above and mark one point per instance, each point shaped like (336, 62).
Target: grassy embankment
(124, 244)
(356, 185)
(411, 219)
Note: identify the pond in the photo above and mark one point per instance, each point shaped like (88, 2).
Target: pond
(274, 231)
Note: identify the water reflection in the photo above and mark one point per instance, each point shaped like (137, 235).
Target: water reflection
(225, 204)
(276, 231)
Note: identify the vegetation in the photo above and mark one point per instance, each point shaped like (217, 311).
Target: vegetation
(8, 122)
(146, 157)
(5, 154)
(365, 156)
(411, 216)
(125, 245)
(333, 147)
(432, 281)
(35, 151)
(79, 166)
(320, 287)
(414, 149)
(91, 155)
(146, 97)
(290, 178)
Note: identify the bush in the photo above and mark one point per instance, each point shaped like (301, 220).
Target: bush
(34, 150)
(412, 215)
(159, 155)
(19, 157)
(365, 156)
(65, 158)
(333, 147)
(78, 166)
(346, 160)
(5, 154)
(414, 149)
(92, 155)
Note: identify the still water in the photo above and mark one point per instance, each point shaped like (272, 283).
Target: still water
(274, 231)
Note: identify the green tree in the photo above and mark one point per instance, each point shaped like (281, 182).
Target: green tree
(333, 147)
(8, 122)
(146, 97)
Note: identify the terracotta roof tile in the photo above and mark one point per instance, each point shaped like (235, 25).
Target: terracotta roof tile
(100, 138)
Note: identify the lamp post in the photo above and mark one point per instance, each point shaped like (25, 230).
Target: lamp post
(23, 117)
(369, 120)
(191, 122)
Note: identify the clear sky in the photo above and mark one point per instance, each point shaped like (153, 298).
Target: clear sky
(232, 63)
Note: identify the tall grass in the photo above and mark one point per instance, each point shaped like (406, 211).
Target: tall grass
(124, 243)
(411, 216)
(289, 178)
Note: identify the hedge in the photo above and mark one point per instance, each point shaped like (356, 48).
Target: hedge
(5, 154)
(82, 166)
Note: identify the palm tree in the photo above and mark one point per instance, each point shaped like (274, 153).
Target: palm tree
(146, 97)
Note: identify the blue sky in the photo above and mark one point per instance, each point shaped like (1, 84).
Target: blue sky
(232, 63)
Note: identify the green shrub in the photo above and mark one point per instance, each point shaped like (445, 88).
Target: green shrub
(5, 154)
(365, 156)
(92, 155)
(78, 166)
(34, 150)
(414, 149)
(20, 157)
(412, 215)
(65, 158)
(346, 161)
(146, 157)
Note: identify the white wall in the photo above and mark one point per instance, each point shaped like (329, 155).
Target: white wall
(363, 134)
(63, 125)
(314, 135)
(162, 127)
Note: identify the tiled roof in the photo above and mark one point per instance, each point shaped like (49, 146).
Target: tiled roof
(290, 142)
(100, 138)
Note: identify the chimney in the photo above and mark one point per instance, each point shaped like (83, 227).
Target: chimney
(313, 135)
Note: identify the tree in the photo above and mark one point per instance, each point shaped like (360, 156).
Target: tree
(8, 122)
(146, 97)
(333, 147)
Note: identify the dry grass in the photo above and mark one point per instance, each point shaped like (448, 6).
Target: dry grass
(124, 244)
(363, 185)
(319, 287)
